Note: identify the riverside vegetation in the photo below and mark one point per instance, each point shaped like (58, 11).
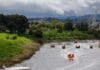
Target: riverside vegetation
(14, 49)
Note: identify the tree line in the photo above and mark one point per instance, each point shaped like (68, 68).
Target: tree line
(13, 23)
(38, 28)
(19, 24)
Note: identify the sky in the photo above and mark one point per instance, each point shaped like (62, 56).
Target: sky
(50, 8)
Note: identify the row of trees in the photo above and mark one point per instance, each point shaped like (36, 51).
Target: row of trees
(37, 28)
(13, 23)
(19, 24)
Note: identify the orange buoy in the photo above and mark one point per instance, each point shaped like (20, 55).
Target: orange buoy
(71, 56)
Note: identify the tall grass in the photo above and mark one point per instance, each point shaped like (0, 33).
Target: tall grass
(9, 47)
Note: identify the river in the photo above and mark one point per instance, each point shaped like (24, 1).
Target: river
(48, 58)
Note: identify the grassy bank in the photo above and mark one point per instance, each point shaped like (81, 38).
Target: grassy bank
(14, 49)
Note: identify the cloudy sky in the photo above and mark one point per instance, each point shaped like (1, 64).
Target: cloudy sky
(49, 8)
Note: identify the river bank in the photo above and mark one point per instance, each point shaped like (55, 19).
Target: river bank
(28, 51)
(14, 49)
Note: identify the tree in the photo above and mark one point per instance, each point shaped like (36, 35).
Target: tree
(60, 26)
(12, 27)
(2, 19)
(68, 24)
(57, 25)
(3, 27)
(54, 24)
(36, 30)
(17, 23)
(82, 26)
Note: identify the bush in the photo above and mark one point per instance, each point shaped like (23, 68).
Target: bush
(65, 35)
(14, 37)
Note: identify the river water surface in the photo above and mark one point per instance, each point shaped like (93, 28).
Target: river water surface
(56, 58)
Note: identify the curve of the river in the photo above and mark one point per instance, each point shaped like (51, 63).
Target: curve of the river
(55, 58)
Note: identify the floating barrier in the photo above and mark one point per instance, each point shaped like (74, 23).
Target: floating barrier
(52, 46)
(78, 47)
(64, 47)
(91, 47)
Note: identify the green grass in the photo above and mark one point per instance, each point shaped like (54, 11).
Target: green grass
(9, 47)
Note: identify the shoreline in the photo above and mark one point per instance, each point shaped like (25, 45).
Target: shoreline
(28, 51)
(48, 41)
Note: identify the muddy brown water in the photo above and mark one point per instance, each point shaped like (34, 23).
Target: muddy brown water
(56, 58)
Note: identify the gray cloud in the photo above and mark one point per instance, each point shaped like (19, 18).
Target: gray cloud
(37, 8)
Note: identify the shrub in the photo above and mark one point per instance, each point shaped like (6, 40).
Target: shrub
(65, 35)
